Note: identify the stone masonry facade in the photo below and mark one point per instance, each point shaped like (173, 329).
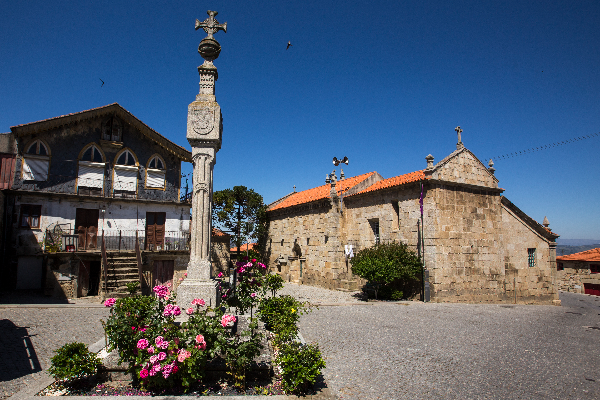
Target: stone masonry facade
(478, 246)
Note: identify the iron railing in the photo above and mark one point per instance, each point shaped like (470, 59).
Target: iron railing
(65, 238)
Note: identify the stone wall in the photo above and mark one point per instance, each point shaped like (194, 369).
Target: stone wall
(534, 285)
(463, 244)
(575, 275)
(464, 168)
(305, 246)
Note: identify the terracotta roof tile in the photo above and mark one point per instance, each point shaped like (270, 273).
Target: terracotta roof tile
(244, 247)
(592, 255)
(321, 192)
(396, 181)
(218, 232)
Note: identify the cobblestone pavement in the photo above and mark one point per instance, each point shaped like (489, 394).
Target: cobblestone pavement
(31, 332)
(414, 350)
(320, 296)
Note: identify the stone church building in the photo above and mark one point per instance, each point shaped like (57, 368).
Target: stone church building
(477, 245)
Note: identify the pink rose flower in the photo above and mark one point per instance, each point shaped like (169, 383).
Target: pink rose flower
(190, 311)
(175, 368)
(110, 302)
(254, 260)
(151, 349)
(185, 274)
(161, 291)
(152, 372)
(176, 311)
(198, 302)
(220, 275)
(144, 373)
(153, 359)
(199, 339)
(253, 295)
(161, 356)
(227, 320)
(142, 344)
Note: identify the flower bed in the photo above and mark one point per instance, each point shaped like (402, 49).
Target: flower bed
(213, 351)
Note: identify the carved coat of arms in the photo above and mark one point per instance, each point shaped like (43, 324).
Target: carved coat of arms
(202, 120)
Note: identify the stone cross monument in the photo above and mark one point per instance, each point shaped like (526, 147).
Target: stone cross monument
(204, 133)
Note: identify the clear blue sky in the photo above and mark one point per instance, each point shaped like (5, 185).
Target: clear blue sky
(382, 82)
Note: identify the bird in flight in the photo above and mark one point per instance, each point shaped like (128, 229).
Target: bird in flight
(102, 82)
(289, 44)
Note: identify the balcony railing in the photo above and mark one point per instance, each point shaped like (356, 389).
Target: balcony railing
(106, 187)
(64, 238)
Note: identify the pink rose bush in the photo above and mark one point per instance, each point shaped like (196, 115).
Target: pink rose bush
(165, 354)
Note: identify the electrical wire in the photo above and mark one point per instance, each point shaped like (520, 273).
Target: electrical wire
(544, 147)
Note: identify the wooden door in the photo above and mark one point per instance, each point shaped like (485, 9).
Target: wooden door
(86, 224)
(155, 230)
(163, 272)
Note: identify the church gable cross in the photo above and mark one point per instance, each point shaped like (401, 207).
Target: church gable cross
(459, 145)
(211, 25)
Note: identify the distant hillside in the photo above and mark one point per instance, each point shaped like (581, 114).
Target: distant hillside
(577, 242)
(562, 250)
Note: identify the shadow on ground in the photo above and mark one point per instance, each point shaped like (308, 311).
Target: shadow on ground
(18, 347)
(29, 297)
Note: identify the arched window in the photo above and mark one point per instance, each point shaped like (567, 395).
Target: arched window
(125, 174)
(90, 177)
(112, 130)
(36, 161)
(155, 173)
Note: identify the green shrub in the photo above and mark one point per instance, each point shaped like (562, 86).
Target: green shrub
(280, 313)
(72, 360)
(132, 287)
(274, 283)
(301, 365)
(393, 266)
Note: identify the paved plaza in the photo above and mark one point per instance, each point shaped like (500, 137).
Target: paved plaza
(376, 350)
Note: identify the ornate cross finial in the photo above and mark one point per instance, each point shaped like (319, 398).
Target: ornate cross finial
(459, 145)
(294, 188)
(459, 131)
(211, 25)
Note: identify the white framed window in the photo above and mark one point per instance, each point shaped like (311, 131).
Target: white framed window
(155, 173)
(125, 174)
(90, 177)
(36, 161)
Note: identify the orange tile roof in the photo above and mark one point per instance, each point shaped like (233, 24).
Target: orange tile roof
(395, 181)
(218, 232)
(592, 255)
(321, 192)
(247, 246)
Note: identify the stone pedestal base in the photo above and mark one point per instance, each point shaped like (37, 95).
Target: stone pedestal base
(191, 289)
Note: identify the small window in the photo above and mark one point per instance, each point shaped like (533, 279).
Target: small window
(560, 266)
(126, 158)
(155, 173)
(36, 162)
(92, 154)
(112, 130)
(395, 215)
(531, 257)
(38, 148)
(30, 215)
(156, 163)
(594, 268)
(375, 227)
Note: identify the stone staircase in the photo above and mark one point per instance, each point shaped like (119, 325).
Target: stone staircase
(122, 269)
